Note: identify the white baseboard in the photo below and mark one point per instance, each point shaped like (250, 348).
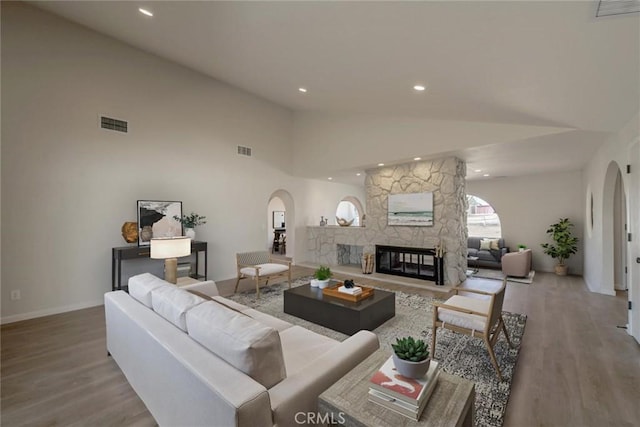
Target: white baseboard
(49, 311)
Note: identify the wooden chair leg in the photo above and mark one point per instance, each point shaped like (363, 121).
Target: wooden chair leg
(506, 334)
(493, 359)
(257, 286)
(433, 342)
(237, 283)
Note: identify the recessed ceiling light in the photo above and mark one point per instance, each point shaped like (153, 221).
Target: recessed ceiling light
(478, 170)
(329, 178)
(417, 158)
(145, 12)
(303, 90)
(419, 88)
(486, 174)
(380, 164)
(358, 174)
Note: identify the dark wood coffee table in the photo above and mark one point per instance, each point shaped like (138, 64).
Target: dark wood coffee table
(340, 315)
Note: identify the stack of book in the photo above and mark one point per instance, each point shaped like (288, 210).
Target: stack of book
(406, 396)
(356, 290)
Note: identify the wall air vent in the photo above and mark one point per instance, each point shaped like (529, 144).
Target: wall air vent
(114, 124)
(617, 7)
(244, 151)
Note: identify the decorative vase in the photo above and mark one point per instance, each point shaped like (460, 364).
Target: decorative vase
(411, 369)
(190, 232)
(130, 231)
(319, 283)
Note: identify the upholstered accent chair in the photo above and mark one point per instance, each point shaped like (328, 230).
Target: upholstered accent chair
(479, 316)
(517, 264)
(260, 265)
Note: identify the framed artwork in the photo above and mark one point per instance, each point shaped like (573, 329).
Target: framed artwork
(278, 219)
(413, 209)
(155, 219)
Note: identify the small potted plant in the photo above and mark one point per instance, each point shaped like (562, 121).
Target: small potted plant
(411, 357)
(565, 244)
(322, 276)
(522, 248)
(190, 222)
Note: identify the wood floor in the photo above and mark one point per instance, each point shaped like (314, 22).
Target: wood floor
(576, 368)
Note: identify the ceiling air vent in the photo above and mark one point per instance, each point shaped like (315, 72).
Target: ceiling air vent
(113, 124)
(244, 151)
(617, 7)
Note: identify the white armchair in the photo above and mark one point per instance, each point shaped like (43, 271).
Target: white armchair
(259, 264)
(478, 317)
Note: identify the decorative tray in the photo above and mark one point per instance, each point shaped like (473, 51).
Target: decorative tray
(333, 291)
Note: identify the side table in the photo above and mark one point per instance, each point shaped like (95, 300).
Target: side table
(345, 402)
(476, 266)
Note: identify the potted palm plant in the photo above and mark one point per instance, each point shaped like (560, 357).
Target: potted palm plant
(322, 276)
(565, 244)
(411, 357)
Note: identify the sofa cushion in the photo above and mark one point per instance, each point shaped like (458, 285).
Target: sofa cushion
(208, 288)
(302, 346)
(173, 303)
(239, 340)
(472, 252)
(141, 285)
(485, 244)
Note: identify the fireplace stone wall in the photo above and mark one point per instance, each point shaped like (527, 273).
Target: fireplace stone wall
(444, 177)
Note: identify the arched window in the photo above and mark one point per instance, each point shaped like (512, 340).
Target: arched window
(482, 219)
(350, 209)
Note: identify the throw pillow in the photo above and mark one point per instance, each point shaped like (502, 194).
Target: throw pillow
(485, 244)
(494, 244)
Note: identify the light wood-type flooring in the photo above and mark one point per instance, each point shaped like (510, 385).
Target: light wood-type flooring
(576, 368)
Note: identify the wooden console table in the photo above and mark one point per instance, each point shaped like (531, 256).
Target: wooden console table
(138, 252)
(345, 402)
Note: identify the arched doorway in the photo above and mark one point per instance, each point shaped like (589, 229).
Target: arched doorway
(614, 220)
(281, 211)
(350, 209)
(482, 219)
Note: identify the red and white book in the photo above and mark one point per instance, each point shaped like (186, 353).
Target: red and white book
(410, 390)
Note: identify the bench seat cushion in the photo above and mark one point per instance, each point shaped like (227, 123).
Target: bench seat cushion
(465, 320)
(265, 269)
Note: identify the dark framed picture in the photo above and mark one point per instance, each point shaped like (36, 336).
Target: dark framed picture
(155, 219)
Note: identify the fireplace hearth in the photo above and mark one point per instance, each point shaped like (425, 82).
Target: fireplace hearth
(419, 263)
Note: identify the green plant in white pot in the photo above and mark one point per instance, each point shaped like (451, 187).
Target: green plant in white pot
(565, 244)
(190, 222)
(322, 276)
(411, 357)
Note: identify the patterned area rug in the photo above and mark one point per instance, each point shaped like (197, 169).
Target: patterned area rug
(486, 273)
(460, 355)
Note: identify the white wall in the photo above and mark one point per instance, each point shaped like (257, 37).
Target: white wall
(527, 205)
(68, 186)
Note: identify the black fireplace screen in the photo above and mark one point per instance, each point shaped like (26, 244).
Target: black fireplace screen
(420, 263)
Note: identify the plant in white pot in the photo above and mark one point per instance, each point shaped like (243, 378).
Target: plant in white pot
(322, 276)
(190, 222)
(411, 357)
(565, 244)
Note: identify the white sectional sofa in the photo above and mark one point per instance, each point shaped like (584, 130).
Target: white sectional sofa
(198, 359)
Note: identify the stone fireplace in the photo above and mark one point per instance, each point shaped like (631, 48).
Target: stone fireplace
(445, 178)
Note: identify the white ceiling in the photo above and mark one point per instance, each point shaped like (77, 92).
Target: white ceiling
(533, 63)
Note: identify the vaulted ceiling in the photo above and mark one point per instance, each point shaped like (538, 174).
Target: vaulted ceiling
(559, 78)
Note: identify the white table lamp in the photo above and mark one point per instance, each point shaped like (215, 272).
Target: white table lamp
(170, 249)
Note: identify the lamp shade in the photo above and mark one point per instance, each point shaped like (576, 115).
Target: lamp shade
(170, 247)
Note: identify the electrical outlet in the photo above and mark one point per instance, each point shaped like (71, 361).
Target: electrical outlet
(15, 295)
